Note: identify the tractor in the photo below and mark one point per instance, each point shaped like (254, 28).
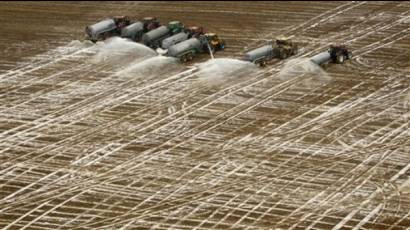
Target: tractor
(339, 53)
(150, 23)
(195, 31)
(121, 22)
(285, 47)
(215, 43)
(175, 27)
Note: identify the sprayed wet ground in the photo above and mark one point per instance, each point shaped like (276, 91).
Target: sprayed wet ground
(110, 135)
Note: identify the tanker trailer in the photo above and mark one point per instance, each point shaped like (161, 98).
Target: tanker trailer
(133, 31)
(106, 28)
(186, 50)
(193, 31)
(174, 39)
(100, 30)
(155, 37)
(260, 55)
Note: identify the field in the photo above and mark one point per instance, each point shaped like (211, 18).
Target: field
(111, 136)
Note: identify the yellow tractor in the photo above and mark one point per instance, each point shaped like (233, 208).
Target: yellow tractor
(215, 42)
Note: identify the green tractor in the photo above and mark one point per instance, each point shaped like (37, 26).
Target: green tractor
(175, 27)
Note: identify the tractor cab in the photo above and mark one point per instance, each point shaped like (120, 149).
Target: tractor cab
(150, 23)
(339, 53)
(213, 38)
(195, 31)
(285, 47)
(175, 27)
(215, 42)
(283, 41)
(121, 21)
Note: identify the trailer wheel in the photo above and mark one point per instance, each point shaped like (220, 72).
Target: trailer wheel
(183, 58)
(106, 35)
(189, 57)
(283, 55)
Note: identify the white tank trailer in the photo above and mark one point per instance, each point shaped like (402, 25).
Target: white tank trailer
(174, 39)
(96, 30)
(154, 37)
(188, 47)
(321, 58)
(259, 54)
(133, 31)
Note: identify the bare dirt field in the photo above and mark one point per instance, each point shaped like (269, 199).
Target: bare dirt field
(111, 136)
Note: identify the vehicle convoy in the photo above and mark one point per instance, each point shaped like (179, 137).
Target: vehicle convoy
(155, 37)
(186, 50)
(282, 48)
(336, 54)
(106, 28)
(173, 40)
(137, 29)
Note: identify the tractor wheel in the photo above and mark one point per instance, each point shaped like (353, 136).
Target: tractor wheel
(261, 63)
(107, 35)
(340, 59)
(222, 45)
(183, 58)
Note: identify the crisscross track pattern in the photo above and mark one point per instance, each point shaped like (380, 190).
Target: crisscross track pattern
(82, 147)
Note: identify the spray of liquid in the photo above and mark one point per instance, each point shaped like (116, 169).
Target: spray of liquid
(76, 44)
(119, 51)
(210, 50)
(149, 67)
(310, 74)
(224, 70)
